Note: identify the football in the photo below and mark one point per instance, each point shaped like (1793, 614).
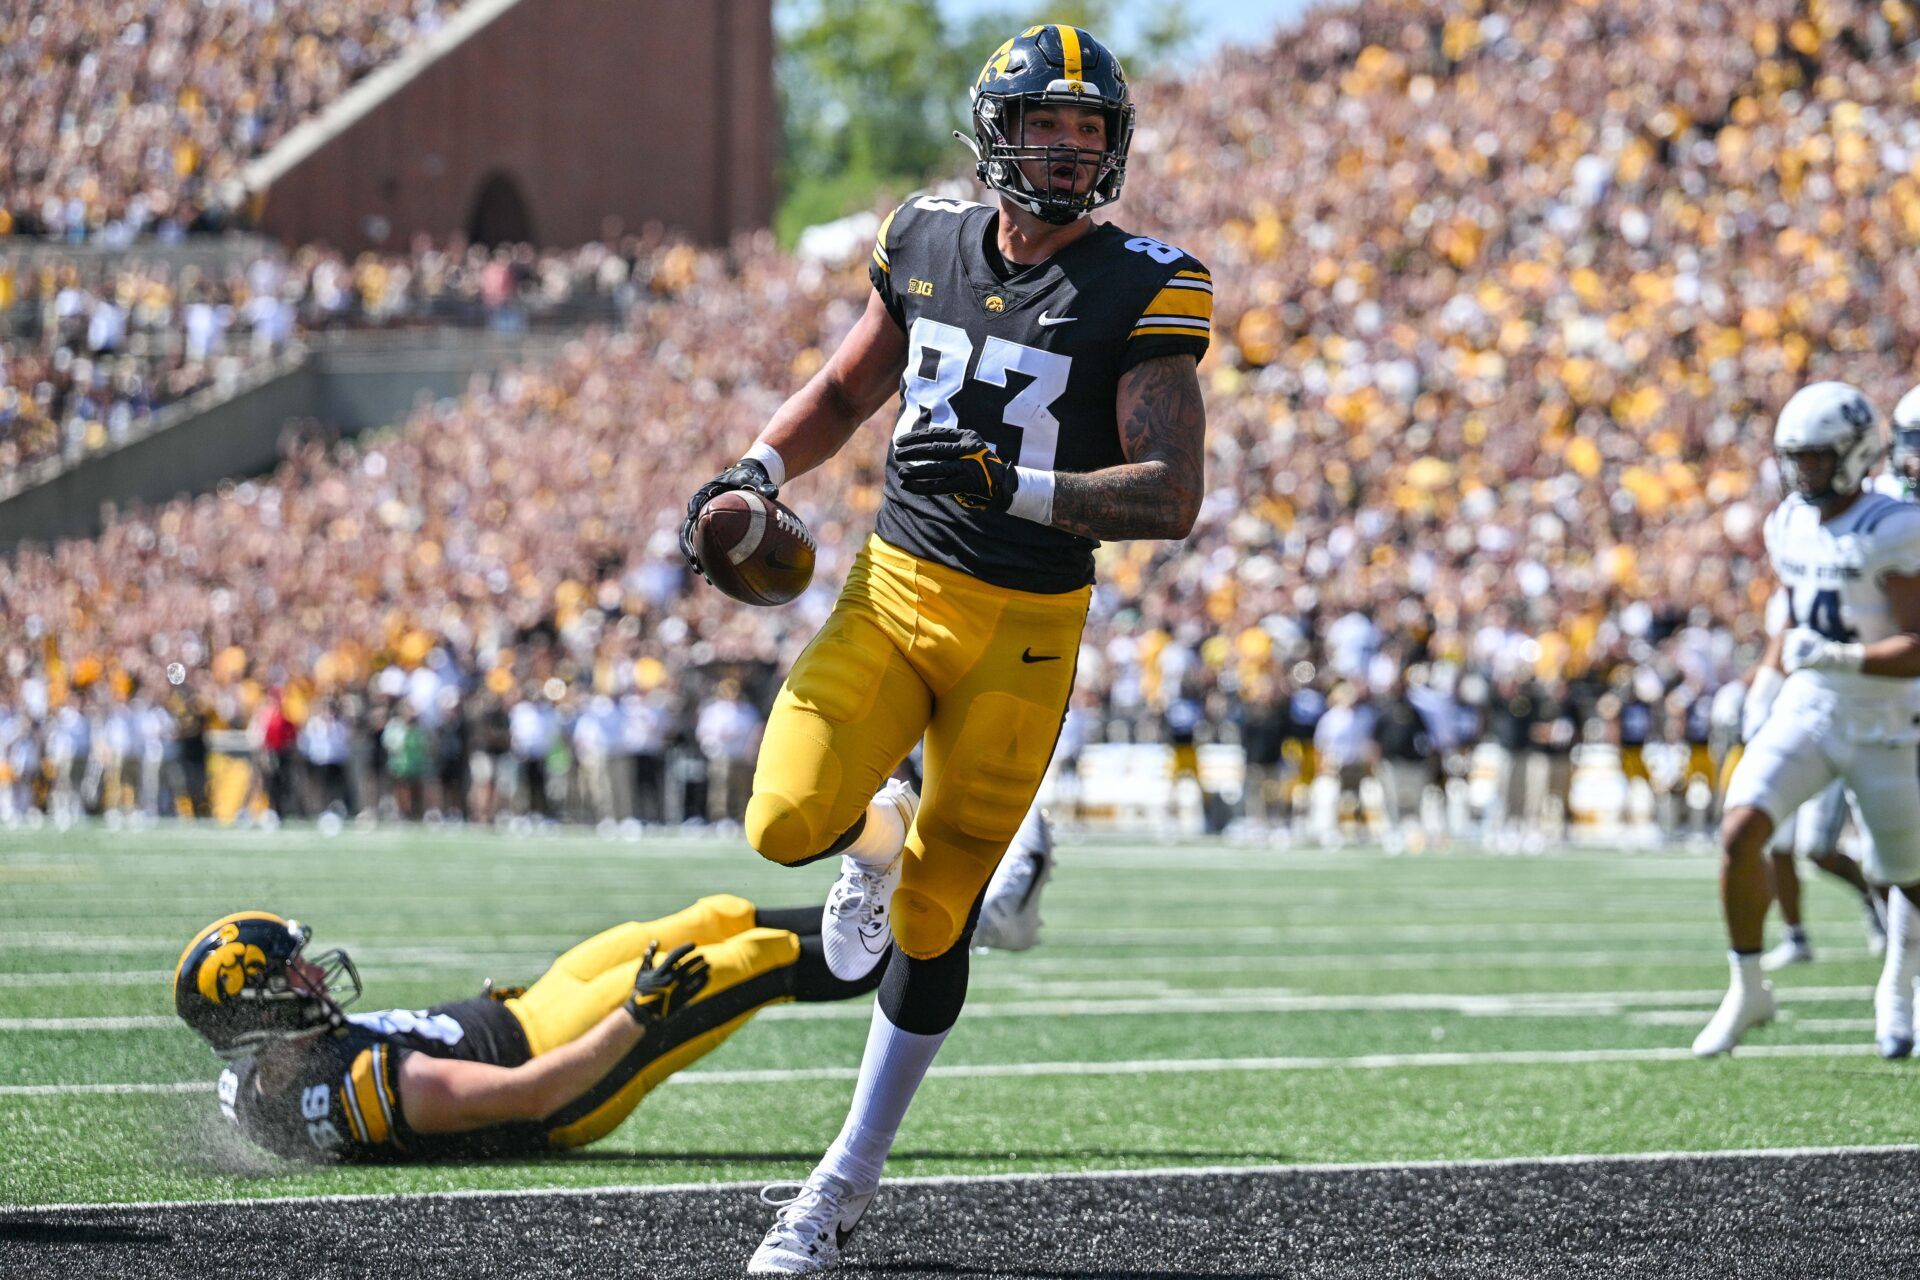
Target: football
(753, 548)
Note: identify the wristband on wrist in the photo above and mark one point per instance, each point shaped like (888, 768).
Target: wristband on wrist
(1849, 657)
(769, 457)
(1033, 500)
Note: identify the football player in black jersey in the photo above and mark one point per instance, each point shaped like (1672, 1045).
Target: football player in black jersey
(1047, 371)
(559, 1064)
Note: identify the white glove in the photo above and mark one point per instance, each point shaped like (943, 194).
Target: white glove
(1761, 691)
(1807, 650)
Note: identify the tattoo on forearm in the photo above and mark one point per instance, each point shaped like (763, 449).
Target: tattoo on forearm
(1163, 428)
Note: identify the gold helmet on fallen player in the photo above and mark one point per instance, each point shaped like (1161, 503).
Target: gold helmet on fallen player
(244, 982)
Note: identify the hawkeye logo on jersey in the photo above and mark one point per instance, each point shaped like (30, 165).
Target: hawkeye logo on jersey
(996, 304)
(920, 288)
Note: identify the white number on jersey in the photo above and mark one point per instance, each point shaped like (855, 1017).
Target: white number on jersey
(429, 1026)
(1031, 410)
(323, 1135)
(315, 1102)
(1159, 250)
(934, 204)
(1820, 610)
(928, 398)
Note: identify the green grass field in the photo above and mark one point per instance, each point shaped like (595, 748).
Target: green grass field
(1190, 1004)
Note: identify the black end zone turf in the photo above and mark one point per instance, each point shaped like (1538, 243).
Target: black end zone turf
(1848, 1217)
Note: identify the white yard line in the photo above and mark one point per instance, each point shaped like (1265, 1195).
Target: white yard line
(66, 1090)
(140, 1022)
(1214, 1066)
(1134, 1067)
(1543, 1004)
(989, 1179)
(1219, 953)
(86, 978)
(1863, 1026)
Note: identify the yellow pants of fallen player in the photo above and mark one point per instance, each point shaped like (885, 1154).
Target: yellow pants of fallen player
(596, 977)
(915, 649)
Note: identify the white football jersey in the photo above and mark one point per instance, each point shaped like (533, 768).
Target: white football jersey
(1832, 575)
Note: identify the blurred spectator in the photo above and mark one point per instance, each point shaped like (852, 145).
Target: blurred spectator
(729, 734)
(1405, 759)
(1343, 742)
(1555, 731)
(325, 746)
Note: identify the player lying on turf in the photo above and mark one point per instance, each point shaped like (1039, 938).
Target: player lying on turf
(559, 1064)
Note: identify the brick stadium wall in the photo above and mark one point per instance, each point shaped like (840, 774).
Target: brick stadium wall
(593, 110)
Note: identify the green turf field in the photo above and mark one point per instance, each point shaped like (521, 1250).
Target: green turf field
(1189, 1004)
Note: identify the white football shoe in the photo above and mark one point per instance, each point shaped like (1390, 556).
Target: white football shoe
(1893, 1019)
(811, 1229)
(1010, 915)
(855, 929)
(1787, 951)
(1893, 1006)
(1745, 1007)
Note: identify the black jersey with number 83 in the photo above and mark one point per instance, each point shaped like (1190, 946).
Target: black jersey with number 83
(1031, 360)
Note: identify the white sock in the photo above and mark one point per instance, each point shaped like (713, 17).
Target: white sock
(1746, 969)
(879, 842)
(890, 1073)
(1903, 938)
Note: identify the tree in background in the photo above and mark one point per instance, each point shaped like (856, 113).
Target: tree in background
(872, 90)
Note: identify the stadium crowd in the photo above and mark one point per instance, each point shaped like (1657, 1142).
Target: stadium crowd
(137, 118)
(91, 348)
(1505, 304)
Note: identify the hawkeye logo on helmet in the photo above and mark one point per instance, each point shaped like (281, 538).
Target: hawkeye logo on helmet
(226, 969)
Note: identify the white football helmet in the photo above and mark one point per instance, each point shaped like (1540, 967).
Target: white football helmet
(1827, 416)
(1906, 441)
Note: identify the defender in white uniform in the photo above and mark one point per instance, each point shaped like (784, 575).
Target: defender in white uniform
(1848, 562)
(1816, 827)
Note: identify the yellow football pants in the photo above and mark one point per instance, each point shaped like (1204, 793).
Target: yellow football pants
(596, 977)
(915, 649)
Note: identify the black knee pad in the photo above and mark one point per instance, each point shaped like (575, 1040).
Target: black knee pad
(925, 996)
(814, 983)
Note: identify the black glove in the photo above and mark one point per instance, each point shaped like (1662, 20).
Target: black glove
(660, 990)
(744, 474)
(957, 461)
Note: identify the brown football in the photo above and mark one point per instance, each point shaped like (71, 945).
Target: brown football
(753, 548)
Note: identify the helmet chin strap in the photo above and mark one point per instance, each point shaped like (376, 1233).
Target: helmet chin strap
(1032, 204)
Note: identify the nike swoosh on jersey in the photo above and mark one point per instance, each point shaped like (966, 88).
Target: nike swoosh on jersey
(1028, 655)
(1047, 320)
